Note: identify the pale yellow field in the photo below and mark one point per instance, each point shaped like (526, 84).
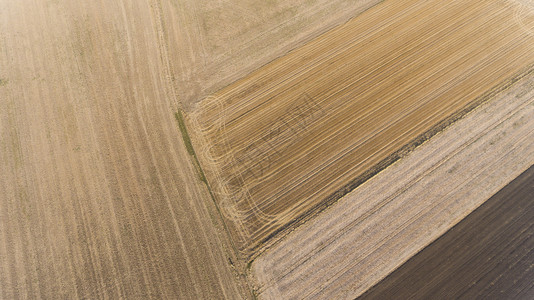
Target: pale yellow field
(214, 43)
(98, 195)
(101, 193)
(305, 128)
(373, 230)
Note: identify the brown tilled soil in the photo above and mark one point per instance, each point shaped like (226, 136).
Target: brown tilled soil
(278, 143)
(488, 255)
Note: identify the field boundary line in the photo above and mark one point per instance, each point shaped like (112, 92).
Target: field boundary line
(278, 235)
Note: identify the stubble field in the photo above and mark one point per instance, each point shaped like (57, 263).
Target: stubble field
(101, 196)
(162, 149)
(373, 230)
(306, 128)
(218, 42)
(98, 195)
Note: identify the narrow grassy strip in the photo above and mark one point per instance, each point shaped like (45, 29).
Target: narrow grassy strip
(191, 150)
(189, 146)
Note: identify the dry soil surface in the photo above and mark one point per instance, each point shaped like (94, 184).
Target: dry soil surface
(214, 43)
(98, 195)
(373, 230)
(488, 255)
(280, 142)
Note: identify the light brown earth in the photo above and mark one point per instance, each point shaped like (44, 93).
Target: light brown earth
(302, 130)
(377, 227)
(98, 195)
(214, 43)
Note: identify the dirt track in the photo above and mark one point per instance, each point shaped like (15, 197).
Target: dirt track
(290, 135)
(373, 230)
(99, 198)
(488, 255)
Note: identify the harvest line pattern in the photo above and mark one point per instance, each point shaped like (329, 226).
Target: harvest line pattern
(262, 154)
(378, 82)
(98, 195)
(374, 229)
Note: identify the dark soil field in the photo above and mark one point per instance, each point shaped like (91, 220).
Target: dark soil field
(488, 255)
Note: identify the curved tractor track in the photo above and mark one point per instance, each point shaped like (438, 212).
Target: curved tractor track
(309, 126)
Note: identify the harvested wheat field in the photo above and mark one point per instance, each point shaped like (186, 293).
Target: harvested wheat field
(99, 198)
(244, 149)
(214, 43)
(303, 130)
(100, 194)
(374, 229)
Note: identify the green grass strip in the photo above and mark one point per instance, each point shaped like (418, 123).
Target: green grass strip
(189, 145)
